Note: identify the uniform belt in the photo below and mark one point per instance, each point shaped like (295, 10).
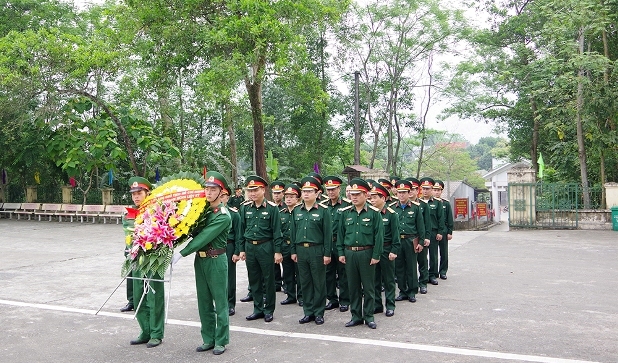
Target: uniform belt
(259, 242)
(307, 244)
(288, 241)
(361, 248)
(230, 241)
(334, 238)
(212, 253)
(387, 244)
(404, 236)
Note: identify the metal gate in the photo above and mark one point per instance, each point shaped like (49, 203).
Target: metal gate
(544, 205)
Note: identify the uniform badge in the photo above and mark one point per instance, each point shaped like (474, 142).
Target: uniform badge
(366, 219)
(315, 215)
(134, 185)
(265, 213)
(211, 179)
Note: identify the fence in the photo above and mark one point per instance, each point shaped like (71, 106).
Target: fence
(53, 194)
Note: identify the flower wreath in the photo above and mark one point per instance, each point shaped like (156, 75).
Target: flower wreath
(175, 209)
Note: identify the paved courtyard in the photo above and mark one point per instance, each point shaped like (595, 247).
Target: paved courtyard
(519, 296)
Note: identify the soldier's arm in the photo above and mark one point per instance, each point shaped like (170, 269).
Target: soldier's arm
(328, 232)
(237, 235)
(220, 223)
(378, 230)
(394, 226)
(275, 224)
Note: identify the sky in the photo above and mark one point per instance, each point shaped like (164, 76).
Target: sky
(471, 130)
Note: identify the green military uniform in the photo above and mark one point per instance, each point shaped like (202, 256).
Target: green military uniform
(211, 270)
(449, 224)
(234, 239)
(311, 235)
(411, 232)
(261, 230)
(128, 225)
(278, 187)
(335, 269)
(360, 238)
(436, 213)
(290, 268)
(385, 271)
(236, 201)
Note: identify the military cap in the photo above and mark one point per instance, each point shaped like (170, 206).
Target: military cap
(371, 182)
(415, 182)
(310, 182)
(292, 189)
(380, 190)
(394, 179)
(403, 185)
(332, 182)
(227, 191)
(277, 186)
(385, 183)
(254, 182)
(427, 182)
(238, 187)
(438, 184)
(317, 176)
(358, 185)
(138, 183)
(216, 179)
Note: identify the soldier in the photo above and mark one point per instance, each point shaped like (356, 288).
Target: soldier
(335, 268)
(437, 229)
(261, 229)
(151, 313)
(210, 270)
(438, 186)
(392, 196)
(318, 177)
(411, 230)
(311, 235)
(234, 240)
(237, 199)
(276, 189)
(290, 270)
(385, 271)
(360, 241)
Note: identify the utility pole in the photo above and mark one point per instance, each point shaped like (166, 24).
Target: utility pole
(356, 121)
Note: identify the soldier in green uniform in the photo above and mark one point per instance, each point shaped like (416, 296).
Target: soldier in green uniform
(421, 256)
(290, 270)
(261, 229)
(360, 241)
(211, 268)
(437, 229)
(335, 269)
(318, 177)
(276, 189)
(311, 234)
(234, 238)
(151, 313)
(389, 187)
(385, 271)
(237, 199)
(411, 231)
(438, 187)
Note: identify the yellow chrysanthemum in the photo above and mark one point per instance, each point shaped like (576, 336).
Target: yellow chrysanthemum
(148, 246)
(173, 221)
(128, 239)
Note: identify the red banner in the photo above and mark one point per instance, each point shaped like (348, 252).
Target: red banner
(461, 206)
(481, 209)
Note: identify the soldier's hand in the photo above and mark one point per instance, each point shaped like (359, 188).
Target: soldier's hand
(294, 257)
(427, 241)
(449, 237)
(326, 260)
(342, 259)
(438, 237)
(419, 248)
(278, 257)
(392, 256)
(373, 261)
(235, 258)
(243, 256)
(177, 256)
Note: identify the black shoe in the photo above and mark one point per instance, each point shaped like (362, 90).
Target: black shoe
(343, 308)
(128, 307)
(372, 324)
(412, 299)
(204, 348)
(423, 290)
(139, 341)
(300, 303)
(307, 319)
(433, 281)
(389, 313)
(331, 306)
(378, 310)
(442, 277)
(247, 298)
(401, 297)
(319, 320)
(154, 342)
(288, 301)
(255, 316)
(231, 311)
(353, 323)
(268, 318)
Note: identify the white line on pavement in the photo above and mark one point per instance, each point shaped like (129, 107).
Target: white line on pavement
(329, 338)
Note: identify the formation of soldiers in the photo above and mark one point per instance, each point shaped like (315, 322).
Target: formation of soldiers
(340, 253)
(335, 253)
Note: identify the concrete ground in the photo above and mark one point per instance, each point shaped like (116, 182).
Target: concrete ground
(523, 296)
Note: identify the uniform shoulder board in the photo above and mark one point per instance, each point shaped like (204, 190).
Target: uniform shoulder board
(282, 210)
(415, 202)
(246, 202)
(392, 204)
(346, 200)
(438, 199)
(390, 209)
(346, 208)
(272, 203)
(374, 208)
(233, 209)
(224, 210)
(322, 205)
(423, 200)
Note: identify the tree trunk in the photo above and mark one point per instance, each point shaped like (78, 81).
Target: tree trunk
(397, 148)
(232, 135)
(534, 147)
(581, 148)
(254, 89)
